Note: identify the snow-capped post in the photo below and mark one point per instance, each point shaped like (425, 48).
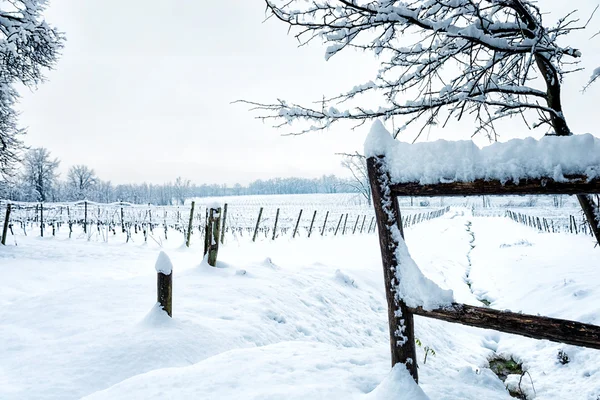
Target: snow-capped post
(189, 231)
(297, 223)
(257, 224)
(214, 225)
(6, 222)
(164, 282)
(275, 225)
(85, 217)
(400, 319)
(312, 221)
(223, 223)
(324, 223)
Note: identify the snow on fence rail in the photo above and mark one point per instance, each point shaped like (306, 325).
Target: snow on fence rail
(99, 221)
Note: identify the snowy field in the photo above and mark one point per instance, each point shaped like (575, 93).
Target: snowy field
(288, 319)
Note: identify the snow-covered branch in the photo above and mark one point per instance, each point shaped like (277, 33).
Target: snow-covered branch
(439, 59)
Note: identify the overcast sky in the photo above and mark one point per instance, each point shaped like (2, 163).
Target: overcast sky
(143, 92)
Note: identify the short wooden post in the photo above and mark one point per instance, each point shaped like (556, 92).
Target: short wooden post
(213, 246)
(164, 282)
(324, 223)
(223, 223)
(401, 322)
(122, 221)
(42, 219)
(338, 225)
(370, 224)
(362, 226)
(6, 222)
(345, 220)
(355, 225)
(312, 222)
(85, 217)
(257, 224)
(207, 232)
(275, 225)
(190, 224)
(297, 223)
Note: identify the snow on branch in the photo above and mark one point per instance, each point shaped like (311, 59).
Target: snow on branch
(439, 59)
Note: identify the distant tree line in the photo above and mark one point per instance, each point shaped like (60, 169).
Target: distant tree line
(38, 180)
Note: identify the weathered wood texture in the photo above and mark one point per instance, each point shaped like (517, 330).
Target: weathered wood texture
(401, 323)
(533, 326)
(574, 185)
(164, 290)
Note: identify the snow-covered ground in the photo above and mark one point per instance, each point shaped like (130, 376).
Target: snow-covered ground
(290, 319)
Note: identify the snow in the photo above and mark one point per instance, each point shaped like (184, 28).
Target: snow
(462, 161)
(414, 288)
(163, 264)
(295, 319)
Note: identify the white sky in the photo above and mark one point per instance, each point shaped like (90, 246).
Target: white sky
(143, 92)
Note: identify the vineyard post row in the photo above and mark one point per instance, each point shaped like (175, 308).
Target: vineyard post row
(141, 219)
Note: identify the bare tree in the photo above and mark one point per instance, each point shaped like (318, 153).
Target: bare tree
(357, 165)
(81, 181)
(181, 189)
(440, 59)
(28, 45)
(39, 173)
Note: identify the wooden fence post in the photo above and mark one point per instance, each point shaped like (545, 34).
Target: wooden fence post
(345, 220)
(190, 225)
(311, 223)
(362, 226)
(42, 219)
(207, 231)
(6, 219)
(85, 217)
(215, 225)
(257, 224)
(223, 223)
(401, 322)
(164, 282)
(122, 221)
(338, 225)
(297, 223)
(370, 224)
(275, 225)
(355, 224)
(324, 223)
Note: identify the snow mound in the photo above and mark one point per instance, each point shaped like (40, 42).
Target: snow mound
(398, 384)
(163, 264)
(445, 161)
(414, 288)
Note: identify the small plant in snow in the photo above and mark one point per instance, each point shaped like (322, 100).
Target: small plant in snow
(428, 350)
